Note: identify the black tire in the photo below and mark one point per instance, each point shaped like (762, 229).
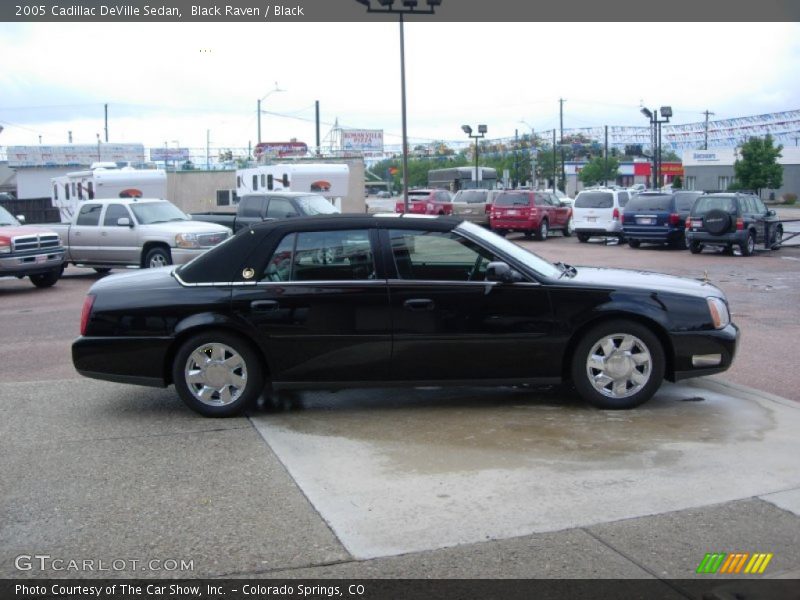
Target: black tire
(541, 232)
(777, 238)
(748, 246)
(102, 270)
(157, 257)
(46, 280)
(528, 234)
(583, 237)
(234, 386)
(644, 345)
(567, 231)
(695, 247)
(717, 222)
(501, 232)
(634, 243)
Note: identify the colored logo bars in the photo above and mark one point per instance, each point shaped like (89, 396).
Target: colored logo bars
(735, 563)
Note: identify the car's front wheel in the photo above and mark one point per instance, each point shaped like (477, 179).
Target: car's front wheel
(217, 374)
(569, 229)
(618, 365)
(157, 257)
(541, 233)
(44, 280)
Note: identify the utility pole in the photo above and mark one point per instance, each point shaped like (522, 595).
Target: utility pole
(555, 160)
(208, 149)
(316, 105)
(605, 154)
(705, 137)
(70, 136)
(561, 143)
(105, 106)
(516, 161)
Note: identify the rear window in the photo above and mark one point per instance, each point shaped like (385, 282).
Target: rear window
(512, 200)
(658, 202)
(685, 200)
(707, 203)
(594, 200)
(419, 195)
(471, 197)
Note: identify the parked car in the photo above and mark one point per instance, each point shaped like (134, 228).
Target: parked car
(532, 213)
(135, 232)
(474, 205)
(598, 212)
(257, 207)
(33, 251)
(427, 202)
(562, 197)
(732, 220)
(658, 218)
(358, 300)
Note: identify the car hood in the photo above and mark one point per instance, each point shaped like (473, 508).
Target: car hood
(188, 227)
(17, 230)
(647, 280)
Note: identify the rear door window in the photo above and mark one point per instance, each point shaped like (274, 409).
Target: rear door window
(251, 206)
(322, 256)
(89, 214)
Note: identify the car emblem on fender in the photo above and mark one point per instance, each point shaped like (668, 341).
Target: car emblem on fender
(248, 273)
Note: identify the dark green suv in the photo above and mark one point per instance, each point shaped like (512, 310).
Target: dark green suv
(732, 220)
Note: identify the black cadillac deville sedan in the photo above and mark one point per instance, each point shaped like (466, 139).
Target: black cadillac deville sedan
(353, 301)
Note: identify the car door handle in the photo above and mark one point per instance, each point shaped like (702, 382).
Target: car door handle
(264, 305)
(419, 304)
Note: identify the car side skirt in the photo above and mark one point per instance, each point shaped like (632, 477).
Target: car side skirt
(328, 385)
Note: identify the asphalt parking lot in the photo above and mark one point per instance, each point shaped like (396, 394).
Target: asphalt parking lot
(450, 483)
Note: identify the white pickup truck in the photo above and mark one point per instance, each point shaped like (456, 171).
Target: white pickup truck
(138, 232)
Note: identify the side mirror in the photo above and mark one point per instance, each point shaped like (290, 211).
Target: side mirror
(500, 271)
(124, 222)
(21, 219)
(290, 215)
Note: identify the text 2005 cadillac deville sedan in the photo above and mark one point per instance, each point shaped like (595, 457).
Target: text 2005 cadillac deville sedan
(351, 301)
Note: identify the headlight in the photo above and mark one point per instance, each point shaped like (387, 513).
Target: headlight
(187, 240)
(5, 247)
(719, 312)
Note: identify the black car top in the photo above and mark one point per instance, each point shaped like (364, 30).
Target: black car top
(214, 265)
(680, 202)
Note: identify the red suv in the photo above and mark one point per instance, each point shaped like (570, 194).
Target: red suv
(533, 213)
(427, 202)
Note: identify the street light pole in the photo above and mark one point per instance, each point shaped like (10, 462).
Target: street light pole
(655, 122)
(482, 129)
(258, 107)
(410, 7)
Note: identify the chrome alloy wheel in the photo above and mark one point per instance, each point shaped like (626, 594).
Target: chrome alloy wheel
(158, 260)
(619, 365)
(215, 374)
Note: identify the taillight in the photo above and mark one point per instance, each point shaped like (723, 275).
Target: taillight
(615, 216)
(488, 209)
(739, 224)
(674, 219)
(688, 223)
(86, 312)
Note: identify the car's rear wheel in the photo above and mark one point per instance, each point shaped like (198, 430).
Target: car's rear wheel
(217, 374)
(501, 232)
(583, 237)
(695, 247)
(634, 243)
(777, 239)
(569, 229)
(541, 233)
(45, 280)
(618, 364)
(748, 246)
(102, 270)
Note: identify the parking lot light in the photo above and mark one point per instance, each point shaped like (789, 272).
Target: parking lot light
(482, 130)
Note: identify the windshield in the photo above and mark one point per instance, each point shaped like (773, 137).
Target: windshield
(316, 205)
(148, 213)
(511, 249)
(594, 200)
(647, 202)
(513, 200)
(6, 218)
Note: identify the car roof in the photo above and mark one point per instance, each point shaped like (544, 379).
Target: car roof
(281, 193)
(359, 220)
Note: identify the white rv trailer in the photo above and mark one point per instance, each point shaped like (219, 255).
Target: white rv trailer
(105, 180)
(329, 180)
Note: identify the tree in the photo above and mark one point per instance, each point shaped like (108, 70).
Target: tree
(758, 168)
(596, 172)
(677, 182)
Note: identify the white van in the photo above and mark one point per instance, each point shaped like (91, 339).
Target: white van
(598, 212)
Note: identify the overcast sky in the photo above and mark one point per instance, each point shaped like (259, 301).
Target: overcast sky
(170, 82)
